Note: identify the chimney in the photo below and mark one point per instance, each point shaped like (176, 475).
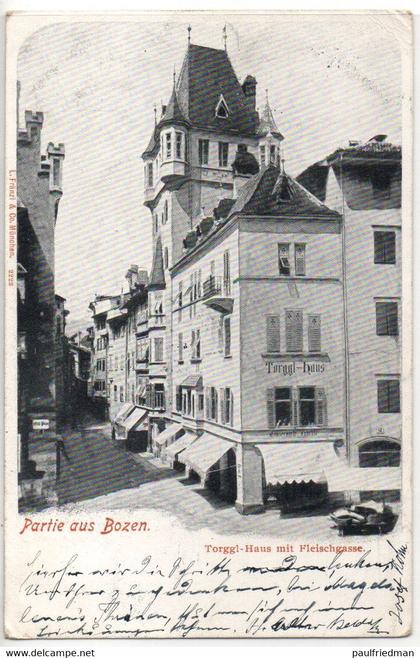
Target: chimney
(249, 87)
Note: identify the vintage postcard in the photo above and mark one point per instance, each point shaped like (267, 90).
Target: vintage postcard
(208, 325)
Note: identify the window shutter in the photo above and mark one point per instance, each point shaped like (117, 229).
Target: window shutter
(215, 404)
(314, 333)
(381, 321)
(207, 400)
(220, 334)
(294, 331)
(273, 333)
(300, 269)
(394, 396)
(295, 407)
(227, 336)
(321, 407)
(271, 418)
(393, 319)
(222, 406)
(231, 408)
(382, 396)
(180, 346)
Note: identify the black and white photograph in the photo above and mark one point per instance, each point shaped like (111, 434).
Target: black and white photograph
(206, 258)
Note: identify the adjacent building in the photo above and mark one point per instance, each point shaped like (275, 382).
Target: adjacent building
(39, 189)
(363, 183)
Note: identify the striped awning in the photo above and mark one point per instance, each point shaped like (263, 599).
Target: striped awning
(136, 421)
(179, 445)
(193, 381)
(204, 453)
(123, 412)
(293, 462)
(168, 435)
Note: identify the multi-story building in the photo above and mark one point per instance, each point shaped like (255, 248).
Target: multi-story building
(39, 190)
(100, 307)
(257, 281)
(209, 122)
(62, 362)
(363, 182)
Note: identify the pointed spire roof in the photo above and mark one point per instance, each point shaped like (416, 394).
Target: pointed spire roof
(206, 74)
(274, 193)
(173, 112)
(268, 123)
(157, 276)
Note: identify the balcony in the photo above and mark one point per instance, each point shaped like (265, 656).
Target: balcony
(217, 294)
(157, 321)
(155, 400)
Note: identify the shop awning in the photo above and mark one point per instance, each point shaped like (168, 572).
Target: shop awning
(193, 381)
(136, 421)
(123, 412)
(293, 462)
(168, 435)
(204, 453)
(180, 444)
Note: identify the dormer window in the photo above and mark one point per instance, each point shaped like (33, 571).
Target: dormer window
(221, 108)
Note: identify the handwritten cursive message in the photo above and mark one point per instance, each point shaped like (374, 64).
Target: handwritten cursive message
(80, 596)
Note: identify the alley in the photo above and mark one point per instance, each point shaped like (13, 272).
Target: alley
(92, 465)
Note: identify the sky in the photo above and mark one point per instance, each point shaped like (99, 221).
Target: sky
(330, 79)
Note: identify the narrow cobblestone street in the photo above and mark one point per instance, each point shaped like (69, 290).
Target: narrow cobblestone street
(99, 475)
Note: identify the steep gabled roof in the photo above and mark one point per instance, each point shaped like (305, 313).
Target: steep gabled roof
(268, 123)
(272, 192)
(157, 276)
(206, 75)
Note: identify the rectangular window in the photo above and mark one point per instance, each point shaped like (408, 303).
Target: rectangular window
(168, 138)
(227, 336)
(273, 333)
(150, 175)
(388, 396)
(300, 268)
(282, 402)
(158, 348)
(262, 155)
(56, 172)
(178, 398)
(307, 414)
(226, 272)
(178, 145)
(197, 344)
(386, 318)
(228, 406)
(314, 333)
(115, 393)
(284, 260)
(223, 154)
(213, 403)
(294, 331)
(180, 347)
(272, 154)
(203, 151)
(384, 247)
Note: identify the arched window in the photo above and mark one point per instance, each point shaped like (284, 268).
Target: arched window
(377, 453)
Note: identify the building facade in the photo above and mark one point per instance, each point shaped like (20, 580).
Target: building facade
(39, 190)
(363, 182)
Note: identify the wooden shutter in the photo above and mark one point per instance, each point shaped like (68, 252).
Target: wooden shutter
(382, 396)
(215, 404)
(394, 396)
(180, 347)
(381, 322)
(294, 331)
(207, 397)
(227, 336)
(226, 272)
(321, 407)
(231, 408)
(273, 333)
(314, 333)
(222, 406)
(300, 268)
(271, 417)
(389, 247)
(220, 334)
(295, 407)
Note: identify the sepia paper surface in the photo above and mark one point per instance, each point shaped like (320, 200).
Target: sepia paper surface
(272, 345)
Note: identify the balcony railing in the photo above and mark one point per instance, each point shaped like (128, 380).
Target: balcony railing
(155, 400)
(142, 317)
(212, 286)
